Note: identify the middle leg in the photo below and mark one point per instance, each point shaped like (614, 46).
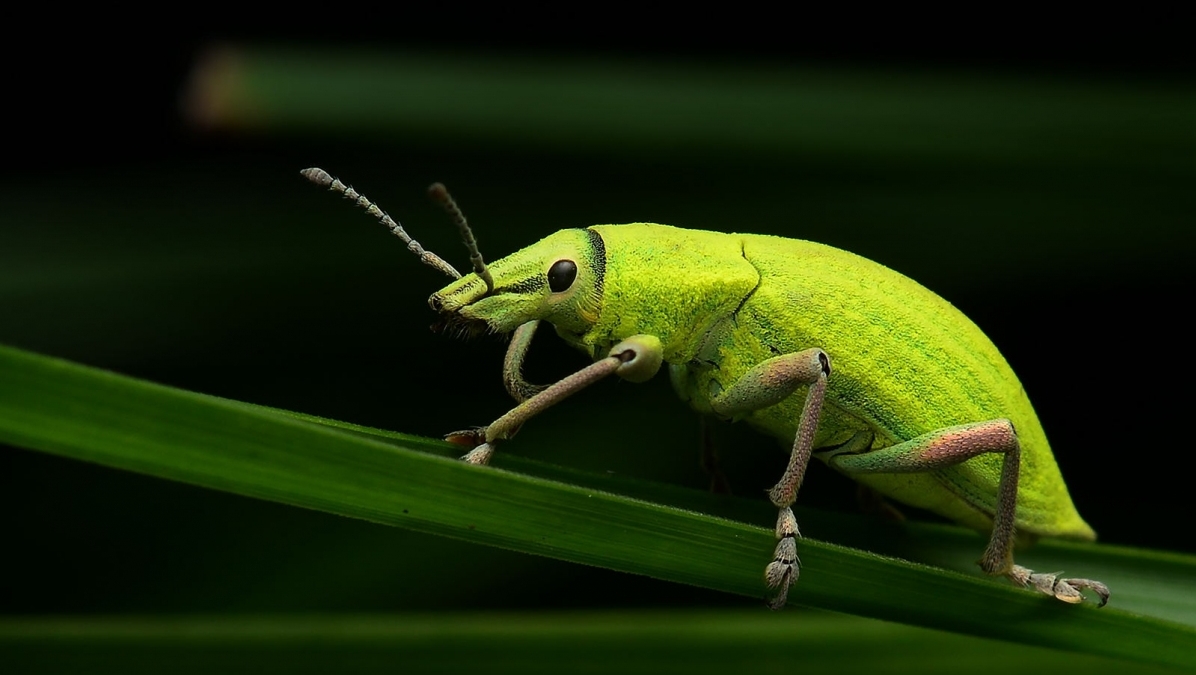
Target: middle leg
(769, 383)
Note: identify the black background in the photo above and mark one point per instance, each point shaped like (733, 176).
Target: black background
(96, 141)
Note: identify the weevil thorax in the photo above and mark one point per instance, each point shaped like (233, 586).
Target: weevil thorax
(600, 285)
(673, 283)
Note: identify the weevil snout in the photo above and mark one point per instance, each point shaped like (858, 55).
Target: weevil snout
(459, 295)
(457, 306)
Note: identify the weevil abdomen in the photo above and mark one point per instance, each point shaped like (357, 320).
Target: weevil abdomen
(905, 363)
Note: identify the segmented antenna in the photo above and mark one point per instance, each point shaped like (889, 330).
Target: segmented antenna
(440, 194)
(324, 179)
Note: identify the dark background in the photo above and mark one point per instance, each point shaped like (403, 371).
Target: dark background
(134, 241)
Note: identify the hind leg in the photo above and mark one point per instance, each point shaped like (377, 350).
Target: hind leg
(954, 445)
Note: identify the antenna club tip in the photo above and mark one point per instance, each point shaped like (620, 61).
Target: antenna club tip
(317, 176)
(438, 192)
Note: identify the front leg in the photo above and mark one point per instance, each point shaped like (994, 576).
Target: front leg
(512, 365)
(636, 359)
(954, 445)
(769, 383)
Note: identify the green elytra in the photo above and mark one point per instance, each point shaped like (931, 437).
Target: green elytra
(834, 354)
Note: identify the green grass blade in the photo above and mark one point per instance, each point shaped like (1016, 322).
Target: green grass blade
(1146, 581)
(576, 642)
(87, 414)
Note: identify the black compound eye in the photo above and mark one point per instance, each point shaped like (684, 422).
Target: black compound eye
(561, 275)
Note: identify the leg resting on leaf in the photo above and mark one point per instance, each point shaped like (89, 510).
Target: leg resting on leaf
(637, 358)
(768, 383)
(955, 445)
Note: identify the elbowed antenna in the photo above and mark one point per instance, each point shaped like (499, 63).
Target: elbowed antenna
(324, 179)
(440, 194)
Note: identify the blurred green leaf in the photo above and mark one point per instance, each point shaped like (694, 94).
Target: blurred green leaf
(80, 412)
(575, 642)
(636, 108)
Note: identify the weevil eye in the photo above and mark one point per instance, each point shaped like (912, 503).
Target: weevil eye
(561, 275)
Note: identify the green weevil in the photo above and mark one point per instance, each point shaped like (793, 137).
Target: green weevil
(837, 356)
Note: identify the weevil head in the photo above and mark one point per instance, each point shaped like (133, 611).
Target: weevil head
(606, 283)
(558, 279)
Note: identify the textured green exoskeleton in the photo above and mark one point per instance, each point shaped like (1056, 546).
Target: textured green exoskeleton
(838, 357)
